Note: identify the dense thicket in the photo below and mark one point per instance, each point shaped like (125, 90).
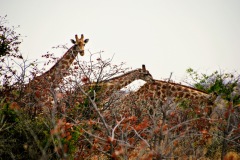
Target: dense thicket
(86, 120)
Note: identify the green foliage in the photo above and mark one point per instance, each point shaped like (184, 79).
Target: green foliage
(22, 137)
(9, 40)
(8, 114)
(73, 142)
(222, 84)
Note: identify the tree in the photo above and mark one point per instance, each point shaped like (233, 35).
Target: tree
(9, 40)
(225, 117)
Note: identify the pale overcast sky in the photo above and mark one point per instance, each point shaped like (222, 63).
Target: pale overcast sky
(166, 35)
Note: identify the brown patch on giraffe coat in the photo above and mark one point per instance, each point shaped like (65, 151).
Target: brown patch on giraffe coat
(164, 86)
(180, 94)
(68, 56)
(192, 97)
(187, 95)
(179, 89)
(173, 88)
(163, 90)
(62, 66)
(152, 87)
(158, 93)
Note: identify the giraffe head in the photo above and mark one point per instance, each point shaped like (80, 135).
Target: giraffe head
(145, 74)
(79, 44)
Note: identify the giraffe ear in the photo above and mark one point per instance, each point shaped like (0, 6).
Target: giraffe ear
(86, 40)
(74, 42)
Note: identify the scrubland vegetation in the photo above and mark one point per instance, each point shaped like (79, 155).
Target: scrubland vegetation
(84, 120)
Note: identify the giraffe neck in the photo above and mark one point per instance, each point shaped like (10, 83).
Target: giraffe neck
(39, 89)
(124, 79)
(111, 86)
(56, 73)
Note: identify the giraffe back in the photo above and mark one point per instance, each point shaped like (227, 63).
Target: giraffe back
(159, 93)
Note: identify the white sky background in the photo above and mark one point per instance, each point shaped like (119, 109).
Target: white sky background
(167, 36)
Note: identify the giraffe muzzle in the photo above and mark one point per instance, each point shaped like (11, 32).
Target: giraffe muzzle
(82, 53)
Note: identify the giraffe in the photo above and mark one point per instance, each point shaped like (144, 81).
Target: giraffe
(108, 91)
(162, 89)
(39, 89)
(63, 64)
(157, 102)
(163, 92)
(154, 93)
(109, 86)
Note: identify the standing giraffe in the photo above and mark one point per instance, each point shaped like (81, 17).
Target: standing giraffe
(63, 64)
(40, 88)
